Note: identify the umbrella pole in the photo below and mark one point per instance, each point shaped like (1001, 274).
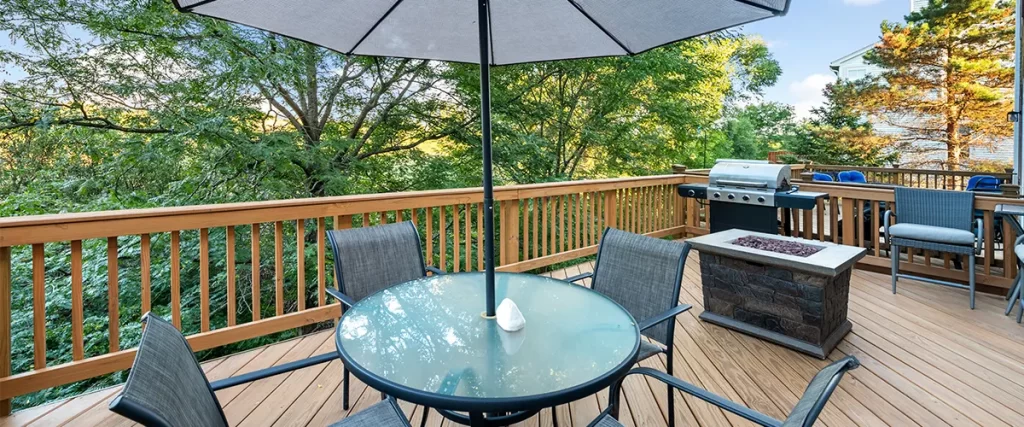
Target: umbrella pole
(485, 124)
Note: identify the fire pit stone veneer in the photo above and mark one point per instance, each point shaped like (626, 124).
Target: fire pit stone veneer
(797, 302)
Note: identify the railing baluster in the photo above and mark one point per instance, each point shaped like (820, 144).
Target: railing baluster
(113, 322)
(430, 235)
(5, 322)
(577, 223)
(38, 306)
(144, 276)
(545, 201)
(442, 225)
(229, 266)
(300, 264)
(875, 214)
(989, 243)
(525, 224)
(255, 282)
(536, 231)
(279, 268)
(467, 210)
(321, 261)
(204, 279)
(456, 253)
(176, 279)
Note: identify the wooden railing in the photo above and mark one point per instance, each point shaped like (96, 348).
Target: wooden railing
(921, 178)
(853, 215)
(75, 257)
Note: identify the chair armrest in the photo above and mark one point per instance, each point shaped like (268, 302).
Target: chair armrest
(707, 396)
(273, 370)
(978, 237)
(435, 270)
(663, 316)
(889, 215)
(345, 299)
(579, 277)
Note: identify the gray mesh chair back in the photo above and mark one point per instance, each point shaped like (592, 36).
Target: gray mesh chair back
(166, 386)
(641, 273)
(937, 208)
(370, 259)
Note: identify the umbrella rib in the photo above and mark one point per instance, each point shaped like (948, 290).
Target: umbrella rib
(374, 27)
(763, 7)
(601, 27)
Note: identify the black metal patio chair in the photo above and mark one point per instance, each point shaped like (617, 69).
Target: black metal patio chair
(804, 414)
(370, 259)
(644, 275)
(166, 386)
(936, 220)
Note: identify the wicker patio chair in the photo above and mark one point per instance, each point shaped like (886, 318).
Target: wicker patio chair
(643, 274)
(804, 414)
(370, 259)
(166, 387)
(936, 220)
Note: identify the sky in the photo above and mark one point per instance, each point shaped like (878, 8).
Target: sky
(815, 33)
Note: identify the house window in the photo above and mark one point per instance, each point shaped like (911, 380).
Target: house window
(856, 73)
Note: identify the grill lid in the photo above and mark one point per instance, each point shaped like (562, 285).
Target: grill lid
(751, 174)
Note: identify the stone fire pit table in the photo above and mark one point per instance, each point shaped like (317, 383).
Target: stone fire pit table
(797, 302)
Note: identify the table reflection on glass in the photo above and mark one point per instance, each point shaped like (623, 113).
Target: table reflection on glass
(426, 342)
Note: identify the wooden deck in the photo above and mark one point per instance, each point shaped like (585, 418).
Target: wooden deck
(927, 360)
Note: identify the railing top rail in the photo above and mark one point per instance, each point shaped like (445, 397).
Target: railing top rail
(905, 170)
(21, 230)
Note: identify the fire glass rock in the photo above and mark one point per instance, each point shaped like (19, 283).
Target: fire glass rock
(778, 246)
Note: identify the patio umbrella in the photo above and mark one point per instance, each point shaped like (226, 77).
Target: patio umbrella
(489, 32)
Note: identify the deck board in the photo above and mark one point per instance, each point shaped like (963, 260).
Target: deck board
(927, 360)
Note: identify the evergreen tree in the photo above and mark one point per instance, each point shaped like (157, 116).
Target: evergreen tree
(947, 75)
(838, 135)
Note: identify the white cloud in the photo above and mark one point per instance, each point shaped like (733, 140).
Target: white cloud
(806, 93)
(862, 2)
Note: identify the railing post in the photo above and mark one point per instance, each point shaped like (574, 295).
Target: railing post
(5, 322)
(611, 209)
(509, 231)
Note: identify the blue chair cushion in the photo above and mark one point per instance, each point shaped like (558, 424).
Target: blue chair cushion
(928, 233)
(824, 177)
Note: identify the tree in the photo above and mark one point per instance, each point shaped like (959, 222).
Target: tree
(947, 75)
(756, 129)
(837, 135)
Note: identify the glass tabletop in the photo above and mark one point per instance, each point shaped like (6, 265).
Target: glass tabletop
(427, 337)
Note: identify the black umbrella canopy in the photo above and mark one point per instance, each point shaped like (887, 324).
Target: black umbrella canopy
(489, 32)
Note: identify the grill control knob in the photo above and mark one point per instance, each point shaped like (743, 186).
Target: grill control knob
(691, 193)
(732, 196)
(760, 199)
(718, 195)
(746, 198)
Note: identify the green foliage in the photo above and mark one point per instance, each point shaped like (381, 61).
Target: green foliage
(837, 135)
(756, 129)
(133, 105)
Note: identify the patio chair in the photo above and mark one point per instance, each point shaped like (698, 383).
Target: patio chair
(984, 183)
(936, 220)
(852, 176)
(822, 177)
(370, 259)
(1018, 250)
(804, 414)
(167, 387)
(643, 274)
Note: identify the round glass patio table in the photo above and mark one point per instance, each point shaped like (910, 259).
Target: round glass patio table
(426, 342)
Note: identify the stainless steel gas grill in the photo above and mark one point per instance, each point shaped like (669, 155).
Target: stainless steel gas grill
(747, 195)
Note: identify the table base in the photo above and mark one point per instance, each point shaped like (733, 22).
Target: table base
(477, 419)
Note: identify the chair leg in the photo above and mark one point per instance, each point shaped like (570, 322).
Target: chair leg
(894, 255)
(344, 392)
(971, 275)
(423, 420)
(554, 417)
(671, 392)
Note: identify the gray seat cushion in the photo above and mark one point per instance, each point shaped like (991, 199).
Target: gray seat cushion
(606, 421)
(648, 349)
(382, 414)
(928, 233)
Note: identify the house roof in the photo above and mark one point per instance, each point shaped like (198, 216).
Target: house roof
(834, 65)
